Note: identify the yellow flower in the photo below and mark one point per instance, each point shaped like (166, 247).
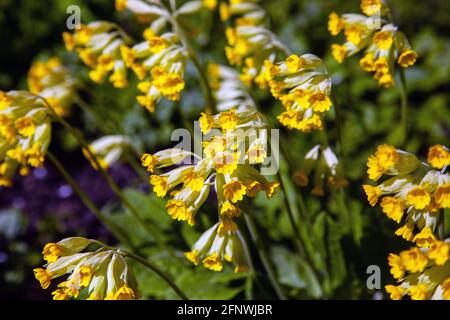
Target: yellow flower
(446, 288)
(193, 180)
(368, 62)
(419, 292)
(320, 102)
(395, 292)
(370, 7)
(393, 208)
(224, 11)
(209, 4)
(157, 44)
(294, 63)
(418, 197)
(397, 267)
(52, 251)
(442, 196)
(149, 161)
(414, 260)
(383, 39)
(206, 123)
(121, 5)
(234, 191)
(354, 34)
(25, 126)
(439, 252)
(387, 156)
(177, 210)
(193, 256)
(83, 275)
(229, 209)
(43, 276)
(407, 58)
(60, 294)
(225, 226)
(438, 156)
(125, 293)
(228, 120)
(213, 262)
(405, 232)
(374, 169)
(335, 24)
(339, 52)
(424, 238)
(160, 185)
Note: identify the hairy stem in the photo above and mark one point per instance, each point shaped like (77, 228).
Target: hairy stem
(85, 199)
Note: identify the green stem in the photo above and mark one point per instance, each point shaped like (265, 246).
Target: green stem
(204, 83)
(337, 110)
(404, 105)
(110, 181)
(86, 200)
(166, 277)
(262, 253)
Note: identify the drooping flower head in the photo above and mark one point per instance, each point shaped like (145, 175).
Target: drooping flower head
(98, 46)
(25, 133)
(385, 46)
(52, 81)
(101, 274)
(303, 86)
(421, 273)
(107, 150)
(414, 195)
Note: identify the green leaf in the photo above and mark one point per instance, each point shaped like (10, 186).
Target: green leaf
(295, 272)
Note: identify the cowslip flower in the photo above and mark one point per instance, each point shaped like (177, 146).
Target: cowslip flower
(250, 43)
(384, 48)
(216, 246)
(226, 166)
(303, 86)
(421, 273)
(327, 169)
(25, 133)
(107, 150)
(98, 46)
(102, 274)
(159, 63)
(414, 194)
(52, 81)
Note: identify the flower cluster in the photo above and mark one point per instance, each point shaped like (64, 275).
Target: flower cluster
(414, 194)
(250, 43)
(215, 246)
(98, 46)
(422, 273)
(303, 86)
(52, 81)
(107, 150)
(326, 168)
(384, 45)
(100, 275)
(227, 166)
(159, 63)
(25, 133)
